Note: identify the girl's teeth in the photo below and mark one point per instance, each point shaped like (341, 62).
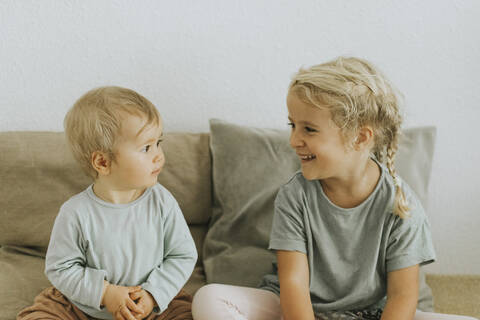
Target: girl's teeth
(309, 157)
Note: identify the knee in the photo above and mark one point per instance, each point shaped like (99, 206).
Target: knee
(419, 315)
(205, 301)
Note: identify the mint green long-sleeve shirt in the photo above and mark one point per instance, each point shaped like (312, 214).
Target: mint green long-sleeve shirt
(146, 242)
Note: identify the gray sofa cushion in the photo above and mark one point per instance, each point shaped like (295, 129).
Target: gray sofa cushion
(249, 165)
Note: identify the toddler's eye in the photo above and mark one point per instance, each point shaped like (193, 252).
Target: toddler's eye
(308, 129)
(146, 148)
(291, 125)
(158, 142)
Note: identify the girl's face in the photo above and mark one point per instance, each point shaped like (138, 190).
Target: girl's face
(317, 141)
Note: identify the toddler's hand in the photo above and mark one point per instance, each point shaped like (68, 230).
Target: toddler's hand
(118, 302)
(145, 301)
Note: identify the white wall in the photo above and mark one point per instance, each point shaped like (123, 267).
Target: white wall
(233, 60)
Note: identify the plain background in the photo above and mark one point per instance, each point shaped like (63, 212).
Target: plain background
(233, 60)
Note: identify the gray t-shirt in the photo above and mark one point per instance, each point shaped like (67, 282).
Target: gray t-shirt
(349, 251)
(145, 242)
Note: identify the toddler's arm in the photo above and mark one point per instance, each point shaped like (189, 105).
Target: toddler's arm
(180, 255)
(293, 274)
(66, 266)
(402, 294)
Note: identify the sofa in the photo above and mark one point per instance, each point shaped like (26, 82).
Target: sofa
(225, 182)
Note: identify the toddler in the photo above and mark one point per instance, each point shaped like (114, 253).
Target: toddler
(121, 249)
(349, 233)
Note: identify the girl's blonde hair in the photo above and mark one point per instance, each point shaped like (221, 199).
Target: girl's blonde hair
(94, 121)
(357, 94)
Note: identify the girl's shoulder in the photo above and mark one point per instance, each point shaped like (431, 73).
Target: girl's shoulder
(296, 183)
(297, 187)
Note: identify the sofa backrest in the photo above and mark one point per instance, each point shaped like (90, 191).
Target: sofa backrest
(38, 173)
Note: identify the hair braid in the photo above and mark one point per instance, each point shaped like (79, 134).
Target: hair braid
(400, 206)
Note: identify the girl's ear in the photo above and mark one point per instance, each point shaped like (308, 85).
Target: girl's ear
(101, 163)
(364, 138)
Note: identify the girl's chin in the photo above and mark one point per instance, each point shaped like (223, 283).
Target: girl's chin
(307, 174)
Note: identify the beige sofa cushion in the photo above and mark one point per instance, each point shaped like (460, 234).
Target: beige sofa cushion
(21, 279)
(188, 174)
(38, 174)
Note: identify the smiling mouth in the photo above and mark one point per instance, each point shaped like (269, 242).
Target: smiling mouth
(307, 157)
(156, 171)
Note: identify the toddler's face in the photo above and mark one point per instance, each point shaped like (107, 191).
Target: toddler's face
(317, 141)
(139, 157)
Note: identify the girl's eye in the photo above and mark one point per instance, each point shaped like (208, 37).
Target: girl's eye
(291, 125)
(158, 142)
(146, 148)
(308, 129)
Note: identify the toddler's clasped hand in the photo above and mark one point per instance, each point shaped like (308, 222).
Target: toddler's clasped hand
(120, 302)
(144, 301)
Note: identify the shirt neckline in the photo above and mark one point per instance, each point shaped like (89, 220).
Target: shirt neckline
(104, 203)
(363, 203)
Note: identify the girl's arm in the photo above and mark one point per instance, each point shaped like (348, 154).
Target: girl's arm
(402, 294)
(293, 274)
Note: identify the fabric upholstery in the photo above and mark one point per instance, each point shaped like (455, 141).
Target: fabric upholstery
(38, 174)
(21, 279)
(249, 165)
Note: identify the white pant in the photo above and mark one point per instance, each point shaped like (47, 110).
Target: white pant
(225, 302)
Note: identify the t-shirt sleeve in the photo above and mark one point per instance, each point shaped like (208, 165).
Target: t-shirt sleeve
(410, 242)
(288, 232)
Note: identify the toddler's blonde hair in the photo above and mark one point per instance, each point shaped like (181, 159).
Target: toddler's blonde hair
(94, 121)
(357, 94)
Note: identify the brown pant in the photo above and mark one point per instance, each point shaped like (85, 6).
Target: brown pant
(52, 304)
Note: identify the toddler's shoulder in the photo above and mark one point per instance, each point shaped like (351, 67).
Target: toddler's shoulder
(162, 195)
(163, 200)
(75, 208)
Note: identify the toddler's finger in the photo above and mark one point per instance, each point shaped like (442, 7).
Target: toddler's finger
(118, 315)
(133, 306)
(134, 289)
(135, 295)
(126, 313)
(137, 315)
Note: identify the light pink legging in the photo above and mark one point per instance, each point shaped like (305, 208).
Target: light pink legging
(225, 302)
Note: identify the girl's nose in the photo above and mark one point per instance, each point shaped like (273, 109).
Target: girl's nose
(295, 139)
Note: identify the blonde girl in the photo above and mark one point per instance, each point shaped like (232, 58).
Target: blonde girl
(349, 234)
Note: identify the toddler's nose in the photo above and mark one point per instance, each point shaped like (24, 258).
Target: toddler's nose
(159, 157)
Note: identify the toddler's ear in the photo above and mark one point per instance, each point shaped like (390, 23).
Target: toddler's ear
(364, 138)
(101, 163)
